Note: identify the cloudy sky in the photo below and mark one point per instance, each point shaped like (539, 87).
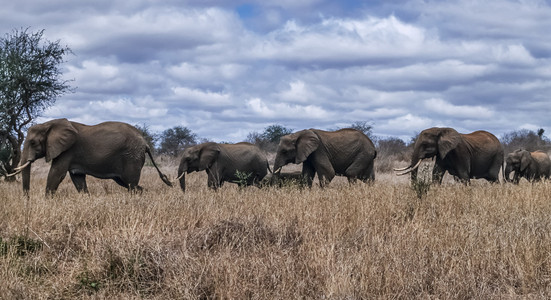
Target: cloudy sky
(227, 68)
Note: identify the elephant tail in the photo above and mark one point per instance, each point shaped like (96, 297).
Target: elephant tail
(163, 176)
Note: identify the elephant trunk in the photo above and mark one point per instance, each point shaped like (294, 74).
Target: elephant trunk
(182, 176)
(412, 168)
(25, 168)
(507, 173)
(26, 178)
(278, 164)
(415, 162)
(413, 175)
(183, 182)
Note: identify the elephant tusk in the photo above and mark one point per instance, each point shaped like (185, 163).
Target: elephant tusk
(18, 170)
(22, 167)
(278, 170)
(14, 173)
(401, 169)
(179, 177)
(412, 169)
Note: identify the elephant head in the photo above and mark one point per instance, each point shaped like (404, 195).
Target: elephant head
(430, 143)
(48, 140)
(517, 161)
(295, 148)
(197, 158)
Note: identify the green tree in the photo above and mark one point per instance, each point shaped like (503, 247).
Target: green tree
(30, 81)
(174, 140)
(269, 138)
(274, 132)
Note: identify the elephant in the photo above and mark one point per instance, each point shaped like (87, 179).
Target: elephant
(530, 165)
(242, 163)
(346, 152)
(282, 179)
(109, 150)
(475, 155)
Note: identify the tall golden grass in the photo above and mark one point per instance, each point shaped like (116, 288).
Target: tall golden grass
(346, 241)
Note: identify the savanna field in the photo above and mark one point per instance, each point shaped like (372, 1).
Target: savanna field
(359, 241)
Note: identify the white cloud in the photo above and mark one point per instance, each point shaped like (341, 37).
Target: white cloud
(344, 41)
(297, 92)
(513, 54)
(444, 108)
(201, 99)
(405, 125)
(280, 111)
(200, 72)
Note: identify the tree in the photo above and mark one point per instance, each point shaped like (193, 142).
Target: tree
(174, 140)
(540, 133)
(274, 132)
(391, 145)
(30, 81)
(150, 138)
(526, 139)
(269, 138)
(365, 127)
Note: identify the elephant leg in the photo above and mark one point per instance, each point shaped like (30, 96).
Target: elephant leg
(131, 175)
(516, 177)
(358, 169)
(121, 182)
(493, 172)
(132, 187)
(369, 176)
(464, 176)
(324, 168)
(55, 177)
(79, 180)
(325, 175)
(213, 180)
(308, 172)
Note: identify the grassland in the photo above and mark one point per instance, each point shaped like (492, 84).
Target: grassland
(358, 241)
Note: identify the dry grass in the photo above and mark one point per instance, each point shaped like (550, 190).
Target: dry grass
(361, 241)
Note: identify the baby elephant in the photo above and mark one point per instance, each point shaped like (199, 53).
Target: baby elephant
(282, 179)
(530, 165)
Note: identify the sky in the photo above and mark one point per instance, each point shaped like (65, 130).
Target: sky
(225, 69)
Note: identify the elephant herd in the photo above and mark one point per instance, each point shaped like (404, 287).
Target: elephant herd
(115, 150)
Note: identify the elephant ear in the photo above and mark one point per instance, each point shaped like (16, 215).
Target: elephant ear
(209, 153)
(307, 142)
(525, 160)
(60, 137)
(449, 139)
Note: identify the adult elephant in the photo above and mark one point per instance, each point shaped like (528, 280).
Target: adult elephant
(242, 163)
(530, 165)
(465, 156)
(110, 150)
(346, 152)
